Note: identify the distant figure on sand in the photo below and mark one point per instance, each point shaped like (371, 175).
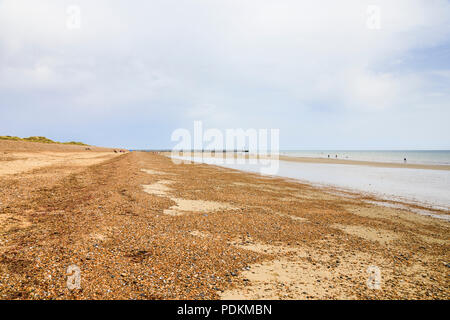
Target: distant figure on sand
(404, 160)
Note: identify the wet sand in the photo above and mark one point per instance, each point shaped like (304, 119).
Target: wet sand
(366, 163)
(140, 227)
(416, 186)
(319, 160)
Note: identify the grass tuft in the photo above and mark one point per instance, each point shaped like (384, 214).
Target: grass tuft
(41, 140)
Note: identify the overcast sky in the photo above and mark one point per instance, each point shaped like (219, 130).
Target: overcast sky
(320, 71)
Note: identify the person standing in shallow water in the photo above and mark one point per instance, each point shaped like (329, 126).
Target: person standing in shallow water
(404, 160)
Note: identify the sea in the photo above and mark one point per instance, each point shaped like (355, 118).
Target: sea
(430, 157)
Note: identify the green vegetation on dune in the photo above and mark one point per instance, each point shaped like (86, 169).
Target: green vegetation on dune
(10, 138)
(75, 143)
(41, 140)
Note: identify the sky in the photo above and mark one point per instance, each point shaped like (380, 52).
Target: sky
(350, 74)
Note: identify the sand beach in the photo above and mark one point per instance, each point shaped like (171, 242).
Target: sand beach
(139, 226)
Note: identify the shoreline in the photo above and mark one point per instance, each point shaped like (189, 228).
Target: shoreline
(423, 188)
(322, 160)
(418, 207)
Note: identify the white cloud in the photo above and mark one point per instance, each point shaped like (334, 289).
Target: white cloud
(260, 62)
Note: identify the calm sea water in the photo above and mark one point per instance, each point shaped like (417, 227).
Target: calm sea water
(426, 187)
(436, 157)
